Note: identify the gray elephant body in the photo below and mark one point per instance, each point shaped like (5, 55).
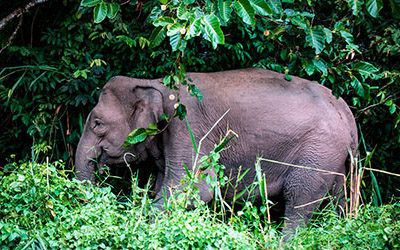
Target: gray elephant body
(298, 122)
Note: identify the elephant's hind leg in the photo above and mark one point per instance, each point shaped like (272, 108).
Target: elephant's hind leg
(304, 190)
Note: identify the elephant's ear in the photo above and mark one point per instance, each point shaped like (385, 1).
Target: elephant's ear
(146, 107)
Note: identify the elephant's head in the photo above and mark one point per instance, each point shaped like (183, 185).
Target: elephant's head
(124, 104)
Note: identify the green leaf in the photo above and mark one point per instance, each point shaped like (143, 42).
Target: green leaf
(113, 9)
(136, 136)
(275, 6)
(126, 39)
(163, 21)
(365, 69)
(224, 10)
(194, 29)
(348, 37)
(213, 31)
(90, 3)
(100, 12)
(175, 41)
(262, 7)
(192, 136)
(183, 13)
(245, 11)
(174, 29)
(316, 39)
(157, 36)
(321, 65)
(195, 91)
(180, 111)
(328, 35)
(357, 86)
(152, 129)
(355, 6)
(374, 6)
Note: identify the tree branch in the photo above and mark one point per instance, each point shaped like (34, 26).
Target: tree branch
(12, 35)
(20, 11)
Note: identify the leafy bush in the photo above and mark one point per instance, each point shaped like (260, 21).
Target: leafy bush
(47, 87)
(41, 208)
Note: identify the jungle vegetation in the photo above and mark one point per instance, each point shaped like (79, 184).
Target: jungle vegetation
(55, 56)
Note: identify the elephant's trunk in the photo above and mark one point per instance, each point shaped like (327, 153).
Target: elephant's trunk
(86, 153)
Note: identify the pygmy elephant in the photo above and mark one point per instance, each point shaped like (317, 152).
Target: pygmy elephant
(296, 122)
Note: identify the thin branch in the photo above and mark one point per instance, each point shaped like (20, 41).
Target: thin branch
(19, 12)
(12, 35)
(382, 171)
(205, 136)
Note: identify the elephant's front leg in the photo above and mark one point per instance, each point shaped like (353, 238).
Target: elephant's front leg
(175, 179)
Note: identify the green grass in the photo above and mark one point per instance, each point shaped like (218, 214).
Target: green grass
(41, 208)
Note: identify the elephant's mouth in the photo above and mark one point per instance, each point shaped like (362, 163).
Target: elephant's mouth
(124, 158)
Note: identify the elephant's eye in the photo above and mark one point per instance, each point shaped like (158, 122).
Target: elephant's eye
(97, 125)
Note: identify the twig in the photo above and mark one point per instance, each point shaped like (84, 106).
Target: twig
(312, 202)
(382, 171)
(205, 136)
(20, 11)
(12, 35)
(312, 169)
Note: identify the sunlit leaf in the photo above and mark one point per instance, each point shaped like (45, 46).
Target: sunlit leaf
(136, 136)
(374, 6)
(224, 10)
(355, 6)
(213, 31)
(316, 39)
(90, 3)
(100, 12)
(262, 7)
(157, 36)
(194, 29)
(113, 9)
(245, 11)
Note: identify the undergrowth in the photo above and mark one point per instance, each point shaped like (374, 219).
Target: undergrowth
(40, 208)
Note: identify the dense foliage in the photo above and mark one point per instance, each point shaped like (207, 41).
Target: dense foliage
(41, 208)
(51, 74)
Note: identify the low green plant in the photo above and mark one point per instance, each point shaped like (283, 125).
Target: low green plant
(41, 207)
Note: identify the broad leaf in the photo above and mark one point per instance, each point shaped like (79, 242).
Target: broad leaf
(262, 7)
(357, 86)
(176, 42)
(374, 6)
(275, 6)
(245, 11)
(126, 39)
(348, 37)
(90, 3)
(316, 39)
(224, 10)
(328, 35)
(113, 9)
(157, 36)
(213, 31)
(174, 29)
(194, 29)
(100, 12)
(365, 69)
(321, 65)
(163, 21)
(136, 136)
(355, 6)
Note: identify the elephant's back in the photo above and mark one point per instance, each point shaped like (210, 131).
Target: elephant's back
(263, 102)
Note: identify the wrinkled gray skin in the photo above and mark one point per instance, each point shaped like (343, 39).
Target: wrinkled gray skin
(296, 121)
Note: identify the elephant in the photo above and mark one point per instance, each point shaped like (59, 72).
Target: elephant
(297, 122)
